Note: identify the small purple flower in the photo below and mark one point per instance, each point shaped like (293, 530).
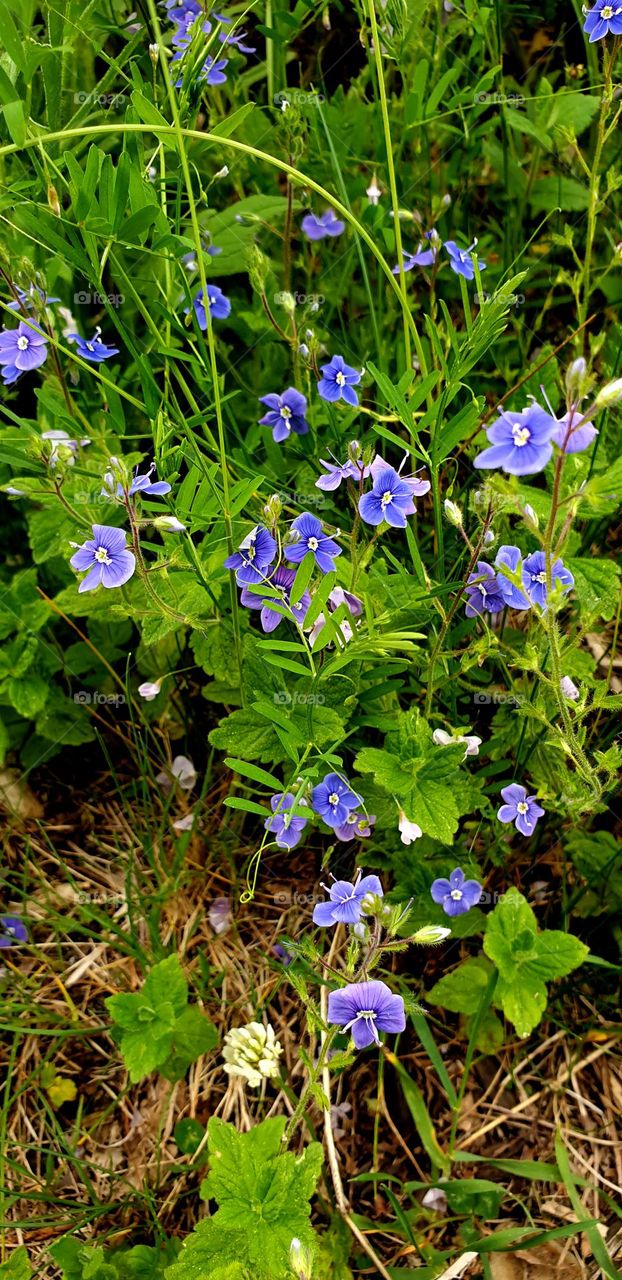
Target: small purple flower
(219, 914)
(286, 414)
(92, 349)
(333, 799)
(513, 596)
(456, 896)
(311, 538)
(253, 561)
(520, 442)
(284, 825)
(282, 954)
(484, 591)
(604, 19)
(30, 297)
(271, 618)
(569, 689)
(12, 930)
(460, 260)
(214, 72)
(106, 557)
(390, 499)
(21, 350)
(336, 598)
(337, 471)
(520, 809)
(356, 826)
(365, 1008)
(422, 257)
(327, 225)
(219, 305)
(345, 905)
(338, 380)
(574, 439)
(145, 485)
(534, 577)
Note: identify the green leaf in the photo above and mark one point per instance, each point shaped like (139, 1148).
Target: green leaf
(559, 193)
(461, 990)
(596, 587)
(193, 1035)
(17, 1267)
(510, 933)
(262, 1193)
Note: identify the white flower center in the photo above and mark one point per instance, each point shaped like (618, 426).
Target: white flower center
(250, 554)
(102, 556)
(522, 436)
(340, 379)
(351, 819)
(482, 590)
(333, 799)
(89, 346)
(522, 807)
(607, 12)
(286, 819)
(285, 411)
(386, 499)
(312, 544)
(456, 894)
(539, 577)
(22, 343)
(212, 298)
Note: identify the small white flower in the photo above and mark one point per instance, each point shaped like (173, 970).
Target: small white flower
(373, 191)
(150, 689)
(252, 1053)
(222, 173)
(569, 688)
(435, 1199)
(182, 771)
(443, 739)
(409, 831)
(184, 824)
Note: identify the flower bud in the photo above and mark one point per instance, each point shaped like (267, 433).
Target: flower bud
(222, 173)
(431, 935)
(609, 395)
(300, 1259)
(154, 53)
(169, 524)
(453, 513)
(53, 201)
(575, 380)
(273, 508)
(569, 688)
(530, 516)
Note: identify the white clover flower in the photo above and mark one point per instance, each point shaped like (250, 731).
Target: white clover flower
(252, 1053)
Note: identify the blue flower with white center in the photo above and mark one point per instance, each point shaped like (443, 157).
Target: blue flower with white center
(456, 895)
(286, 413)
(338, 381)
(520, 809)
(484, 591)
(318, 228)
(520, 443)
(333, 799)
(571, 438)
(12, 930)
(534, 578)
(92, 349)
(345, 904)
(284, 825)
(21, 350)
(460, 260)
(391, 499)
(602, 20)
(253, 561)
(106, 558)
(365, 1008)
(219, 305)
(312, 539)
